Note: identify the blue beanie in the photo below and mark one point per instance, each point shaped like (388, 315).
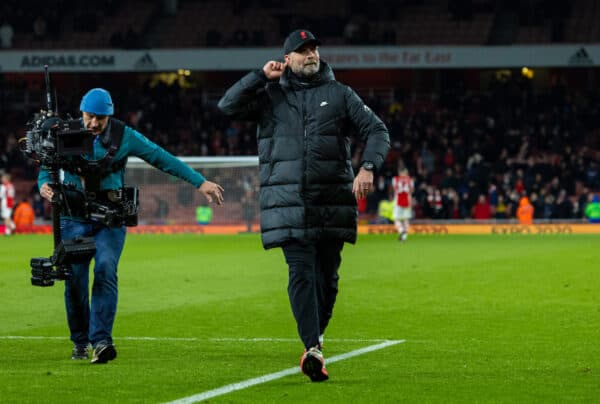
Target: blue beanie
(97, 101)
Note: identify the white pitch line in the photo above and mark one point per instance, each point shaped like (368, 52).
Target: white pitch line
(36, 337)
(277, 375)
(33, 337)
(29, 337)
(294, 339)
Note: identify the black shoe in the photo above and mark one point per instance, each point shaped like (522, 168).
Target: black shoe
(104, 352)
(80, 352)
(312, 365)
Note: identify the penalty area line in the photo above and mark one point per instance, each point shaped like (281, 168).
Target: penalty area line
(277, 375)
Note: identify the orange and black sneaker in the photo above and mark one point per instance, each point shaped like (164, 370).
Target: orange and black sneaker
(312, 364)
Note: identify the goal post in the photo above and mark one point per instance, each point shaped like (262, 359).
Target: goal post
(167, 200)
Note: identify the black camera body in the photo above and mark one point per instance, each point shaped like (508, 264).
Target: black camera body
(49, 139)
(73, 139)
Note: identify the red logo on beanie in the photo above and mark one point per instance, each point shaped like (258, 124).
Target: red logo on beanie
(303, 34)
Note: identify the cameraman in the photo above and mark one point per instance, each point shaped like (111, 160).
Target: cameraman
(113, 143)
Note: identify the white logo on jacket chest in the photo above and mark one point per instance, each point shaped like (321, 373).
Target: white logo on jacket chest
(324, 103)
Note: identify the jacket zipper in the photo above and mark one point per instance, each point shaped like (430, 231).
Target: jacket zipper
(305, 153)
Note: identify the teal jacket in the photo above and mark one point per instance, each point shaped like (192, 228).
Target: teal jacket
(132, 144)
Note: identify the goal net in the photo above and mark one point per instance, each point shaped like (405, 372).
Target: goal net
(167, 200)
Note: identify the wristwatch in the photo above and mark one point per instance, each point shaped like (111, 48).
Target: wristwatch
(368, 165)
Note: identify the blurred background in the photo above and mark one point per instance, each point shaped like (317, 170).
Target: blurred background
(486, 101)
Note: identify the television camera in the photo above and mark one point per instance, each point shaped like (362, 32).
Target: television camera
(55, 143)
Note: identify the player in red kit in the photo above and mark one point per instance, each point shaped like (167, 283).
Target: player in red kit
(403, 187)
(7, 202)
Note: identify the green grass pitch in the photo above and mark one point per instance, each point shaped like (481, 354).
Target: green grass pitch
(486, 319)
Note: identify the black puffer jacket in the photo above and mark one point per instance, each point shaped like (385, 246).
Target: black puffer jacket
(304, 154)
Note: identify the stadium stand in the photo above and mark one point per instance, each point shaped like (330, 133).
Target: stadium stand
(581, 26)
(432, 22)
(233, 23)
(70, 24)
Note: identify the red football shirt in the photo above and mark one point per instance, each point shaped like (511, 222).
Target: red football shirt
(403, 186)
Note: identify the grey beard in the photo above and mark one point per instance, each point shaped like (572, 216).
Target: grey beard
(308, 71)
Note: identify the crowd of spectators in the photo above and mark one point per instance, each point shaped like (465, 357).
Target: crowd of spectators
(472, 154)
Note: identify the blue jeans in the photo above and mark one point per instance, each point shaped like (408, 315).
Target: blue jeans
(93, 325)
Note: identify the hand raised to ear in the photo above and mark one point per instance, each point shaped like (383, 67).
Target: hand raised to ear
(273, 69)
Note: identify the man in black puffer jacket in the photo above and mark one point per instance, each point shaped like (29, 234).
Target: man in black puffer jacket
(308, 190)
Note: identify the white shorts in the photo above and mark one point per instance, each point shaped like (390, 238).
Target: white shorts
(402, 213)
(6, 212)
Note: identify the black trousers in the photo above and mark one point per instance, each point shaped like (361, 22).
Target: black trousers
(313, 285)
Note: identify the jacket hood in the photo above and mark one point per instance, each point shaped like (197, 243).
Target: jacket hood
(290, 79)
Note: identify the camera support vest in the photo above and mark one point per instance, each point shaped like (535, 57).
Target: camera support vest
(93, 171)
